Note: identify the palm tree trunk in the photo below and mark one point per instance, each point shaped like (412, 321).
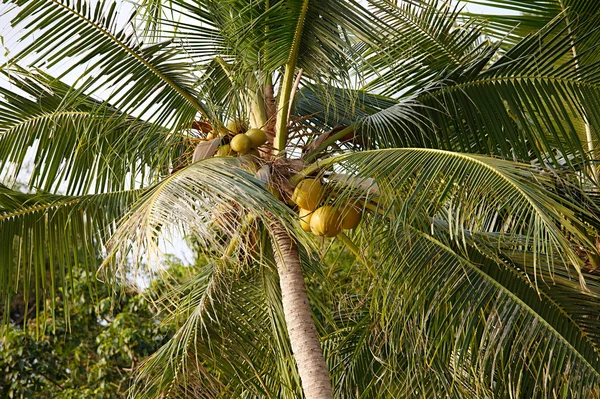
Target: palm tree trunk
(306, 347)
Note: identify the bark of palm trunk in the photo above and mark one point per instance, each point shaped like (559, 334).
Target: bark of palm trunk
(306, 347)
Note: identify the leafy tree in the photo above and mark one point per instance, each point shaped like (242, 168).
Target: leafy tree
(90, 354)
(470, 160)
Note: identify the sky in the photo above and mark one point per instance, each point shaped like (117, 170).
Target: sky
(9, 45)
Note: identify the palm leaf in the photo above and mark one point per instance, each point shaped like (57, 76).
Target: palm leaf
(44, 236)
(451, 323)
(467, 191)
(213, 201)
(226, 337)
(523, 106)
(79, 144)
(424, 40)
(527, 17)
(163, 78)
(476, 310)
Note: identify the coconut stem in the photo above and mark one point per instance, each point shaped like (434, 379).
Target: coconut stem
(330, 140)
(356, 251)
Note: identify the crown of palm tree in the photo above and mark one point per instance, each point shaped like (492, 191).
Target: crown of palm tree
(467, 142)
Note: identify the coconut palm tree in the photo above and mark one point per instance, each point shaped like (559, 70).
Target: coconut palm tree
(463, 147)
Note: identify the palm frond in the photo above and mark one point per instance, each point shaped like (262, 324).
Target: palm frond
(468, 191)
(530, 104)
(523, 106)
(487, 316)
(79, 144)
(213, 201)
(268, 36)
(326, 107)
(232, 341)
(44, 236)
(424, 40)
(113, 57)
(528, 17)
(442, 321)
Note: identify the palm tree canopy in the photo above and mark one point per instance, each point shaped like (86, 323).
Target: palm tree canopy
(468, 142)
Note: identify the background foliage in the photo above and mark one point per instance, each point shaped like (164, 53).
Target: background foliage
(94, 353)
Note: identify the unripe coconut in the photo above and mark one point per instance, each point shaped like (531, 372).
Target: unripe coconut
(249, 163)
(240, 143)
(254, 152)
(236, 125)
(326, 221)
(274, 190)
(257, 136)
(307, 194)
(223, 151)
(211, 135)
(305, 216)
(350, 217)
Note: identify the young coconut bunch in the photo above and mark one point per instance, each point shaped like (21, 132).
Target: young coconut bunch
(321, 219)
(440, 167)
(224, 142)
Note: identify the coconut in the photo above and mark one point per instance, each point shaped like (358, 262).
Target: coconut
(272, 188)
(254, 152)
(305, 216)
(236, 126)
(307, 194)
(240, 143)
(350, 217)
(326, 221)
(257, 136)
(223, 150)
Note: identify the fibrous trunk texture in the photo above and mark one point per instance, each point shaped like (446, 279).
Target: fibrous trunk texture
(302, 331)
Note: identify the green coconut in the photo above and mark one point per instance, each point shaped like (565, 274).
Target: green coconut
(257, 136)
(241, 143)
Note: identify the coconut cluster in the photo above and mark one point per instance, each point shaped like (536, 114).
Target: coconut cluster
(324, 220)
(244, 141)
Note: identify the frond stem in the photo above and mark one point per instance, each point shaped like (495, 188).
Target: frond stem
(287, 84)
(330, 140)
(356, 251)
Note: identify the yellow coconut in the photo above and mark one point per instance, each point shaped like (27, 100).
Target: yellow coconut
(305, 216)
(257, 136)
(326, 221)
(350, 217)
(307, 194)
(236, 126)
(211, 135)
(223, 150)
(240, 143)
